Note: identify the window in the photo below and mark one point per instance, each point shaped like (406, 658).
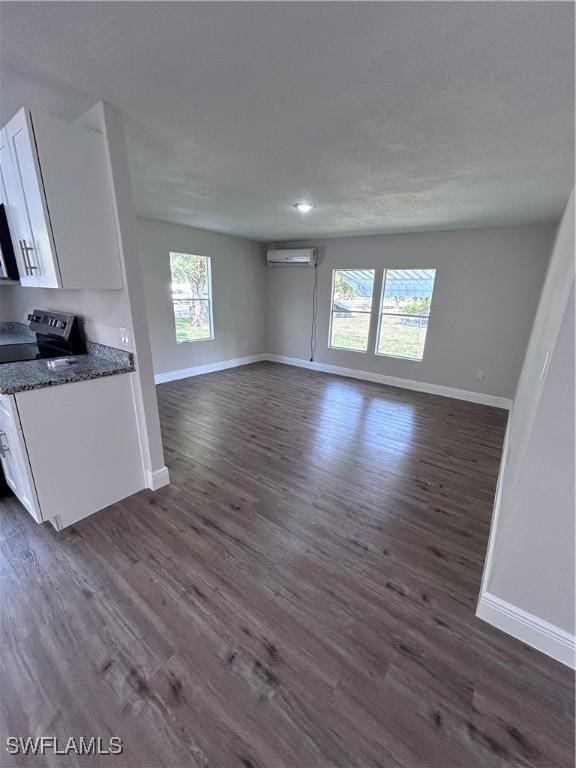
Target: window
(351, 308)
(404, 312)
(192, 296)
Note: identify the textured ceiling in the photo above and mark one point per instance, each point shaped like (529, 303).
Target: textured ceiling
(390, 117)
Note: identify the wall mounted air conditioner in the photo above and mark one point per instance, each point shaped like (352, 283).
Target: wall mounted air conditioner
(302, 257)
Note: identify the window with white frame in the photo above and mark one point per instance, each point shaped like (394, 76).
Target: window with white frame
(404, 312)
(192, 296)
(351, 308)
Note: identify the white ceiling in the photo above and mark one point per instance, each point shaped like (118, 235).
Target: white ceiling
(390, 117)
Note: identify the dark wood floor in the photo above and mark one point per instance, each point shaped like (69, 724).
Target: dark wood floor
(301, 596)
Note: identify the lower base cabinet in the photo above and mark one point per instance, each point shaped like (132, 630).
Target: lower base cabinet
(73, 449)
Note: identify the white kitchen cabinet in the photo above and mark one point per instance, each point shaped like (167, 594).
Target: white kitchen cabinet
(73, 448)
(60, 205)
(4, 154)
(8, 184)
(14, 458)
(29, 218)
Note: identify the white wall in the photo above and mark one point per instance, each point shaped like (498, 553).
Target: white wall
(143, 380)
(104, 311)
(239, 294)
(533, 565)
(6, 309)
(238, 291)
(487, 286)
(530, 562)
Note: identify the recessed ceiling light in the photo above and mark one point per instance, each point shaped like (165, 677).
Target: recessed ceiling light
(303, 207)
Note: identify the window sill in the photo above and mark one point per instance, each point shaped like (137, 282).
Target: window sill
(191, 341)
(349, 349)
(400, 357)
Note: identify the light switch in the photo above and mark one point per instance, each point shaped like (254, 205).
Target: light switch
(126, 337)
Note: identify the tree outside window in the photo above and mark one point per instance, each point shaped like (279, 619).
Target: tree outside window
(192, 296)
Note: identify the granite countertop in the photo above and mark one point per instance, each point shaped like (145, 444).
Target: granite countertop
(100, 361)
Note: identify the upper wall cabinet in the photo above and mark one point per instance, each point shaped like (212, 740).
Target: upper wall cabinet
(60, 207)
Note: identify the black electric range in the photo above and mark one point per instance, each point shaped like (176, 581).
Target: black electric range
(56, 335)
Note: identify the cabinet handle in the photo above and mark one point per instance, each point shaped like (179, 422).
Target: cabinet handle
(27, 261)
(4, 449)
(24, 256)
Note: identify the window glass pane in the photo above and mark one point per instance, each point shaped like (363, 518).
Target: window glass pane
(191, 296)
(351, 307)
(408, 291)
(402, 336)
(353, 289)
(350, 330)
(192, 319)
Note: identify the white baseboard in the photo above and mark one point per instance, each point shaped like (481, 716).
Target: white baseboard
(351, 373)
(158, 479)
(393, 381)
(198, 370)
(530, 629)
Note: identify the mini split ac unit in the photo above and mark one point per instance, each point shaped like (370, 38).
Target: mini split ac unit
(302, 257)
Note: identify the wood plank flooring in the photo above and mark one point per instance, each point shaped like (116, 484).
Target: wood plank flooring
(301, 596)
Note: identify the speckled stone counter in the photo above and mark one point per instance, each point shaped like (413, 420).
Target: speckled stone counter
(35, 374)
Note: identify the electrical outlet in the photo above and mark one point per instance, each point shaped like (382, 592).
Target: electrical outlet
(480, 374)
(125, 337)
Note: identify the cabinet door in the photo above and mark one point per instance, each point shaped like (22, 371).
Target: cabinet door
(94, 425)
(11, 199)
(16, 466)
(28, 208)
